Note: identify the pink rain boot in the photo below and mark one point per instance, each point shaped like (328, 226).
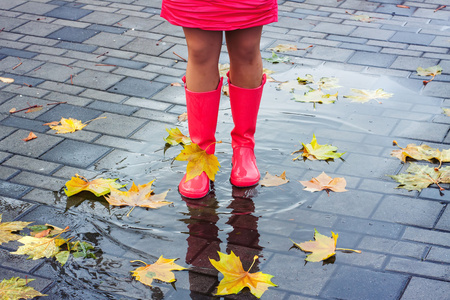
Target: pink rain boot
(244, 108)
(202, 111)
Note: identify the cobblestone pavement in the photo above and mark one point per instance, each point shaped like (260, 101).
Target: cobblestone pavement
(118, 58)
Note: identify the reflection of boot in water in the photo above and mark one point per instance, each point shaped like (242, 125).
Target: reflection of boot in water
(203, 243)
(244, 239)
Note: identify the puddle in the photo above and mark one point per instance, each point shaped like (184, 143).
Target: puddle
(255, 221)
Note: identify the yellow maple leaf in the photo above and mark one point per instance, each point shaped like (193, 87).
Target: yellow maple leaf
(176, 137)
(99, 186)
(39, 247)
(15, 288)
(198, 162)
(235, 278)
(68, 125)
(314, 151)
(273, 180)
(7, 229)
(141, 195)
(367, 95)
(160, 270)
(322, 247)
(325, 182)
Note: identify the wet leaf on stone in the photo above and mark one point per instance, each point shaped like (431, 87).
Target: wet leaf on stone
(37, 248)
(362, 18)
(325, 182)
(198, 162)
(430, 71)
(183, 117)
(137, 195)
(446, 111)
(160, 270)
(322, 247)
(176, 137)
(45, 230)
(314, 151)
(235, 278)
(422, 152)
(284, 48)
(6, 80)
(324, 83)
(68, 125)
(16, 288)
(7, 229)
(418, 177)
(31, 136)
(99, 186)
(274, 180)
(275, 59)
(316, 96)
(367, 95)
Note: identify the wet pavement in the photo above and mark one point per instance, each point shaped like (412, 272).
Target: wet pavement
(115, 59)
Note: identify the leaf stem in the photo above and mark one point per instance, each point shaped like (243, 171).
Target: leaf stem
(128, 214)
(137, 260)
(351, 250)
(254, 259)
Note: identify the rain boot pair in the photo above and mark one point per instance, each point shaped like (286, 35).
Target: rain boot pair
(202, 110)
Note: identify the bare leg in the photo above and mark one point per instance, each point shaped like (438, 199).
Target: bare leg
(245, 57)
(202, 72)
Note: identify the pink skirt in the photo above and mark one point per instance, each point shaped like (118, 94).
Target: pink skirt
(219, 15)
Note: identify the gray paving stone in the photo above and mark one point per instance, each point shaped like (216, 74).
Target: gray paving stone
(394, 10)
(109, 40)
(77, 47)
(373, 33)
(46, 50)
(104, 18)
(427, 236)
(40, 181)
(438, 254)
(437, 89)
(34, 8)
(359, 5)
(34, 148)
(372, 59)
(124, 63)
(412, 38)
(13, 190)
(68, 13)
(113, 107)
(109, 29)
(6, 173)
(100, 95)
(12, 208)
(17, 52)
(69, 172)
(359, 47)
(422, 287)
(37, 28)
(55, 72)
(68, 99)
(117, 125)
(136, 87)
(369, 227)
(5, 131)
(121, 143)
(420, 212)
(420, 130)
(96, 80)
(147, 46)
(444, 221)
(156, 115)
(148, 103)
(69, 111)
(72, 34)
(329, 53)
(394, 247)
(82, 154)
(135, 73)
(11, 4)
(16, 122)
(357, 283)
(31, 164)
(38, 41)
(418, 267)
(331, 28)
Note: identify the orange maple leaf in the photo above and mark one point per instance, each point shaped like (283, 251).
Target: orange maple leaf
(99, 186)
(198, 162)
(141, 195)
(235, 278)
(325, 182)
(30, 137)
(160, 270)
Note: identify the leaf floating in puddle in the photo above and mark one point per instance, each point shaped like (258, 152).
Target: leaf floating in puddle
(324, 83)
(99, 186)
(430, 71)
(140, 195)
(275, 59)
(316, 96)
(16, 288)
(274, 180)
(235, 278)
(7, 229)
(314, 151)
(422, 152)
(176, 137)
(322, 247)
(160, 270)
(325, 182)
(418, 177)
(367, 95)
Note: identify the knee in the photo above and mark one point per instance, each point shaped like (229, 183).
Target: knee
(201, 55)
(246, 54)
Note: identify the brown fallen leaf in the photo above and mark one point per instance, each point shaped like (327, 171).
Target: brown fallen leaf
(6, 80)
(12, 110)
(30, 137)
(175, 84)
(402, 6)
(273, 180)
(325, 182)
(183, 117)
(34, 109)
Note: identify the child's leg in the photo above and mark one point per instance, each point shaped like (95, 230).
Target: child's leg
(203, 90)
(246, 82)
